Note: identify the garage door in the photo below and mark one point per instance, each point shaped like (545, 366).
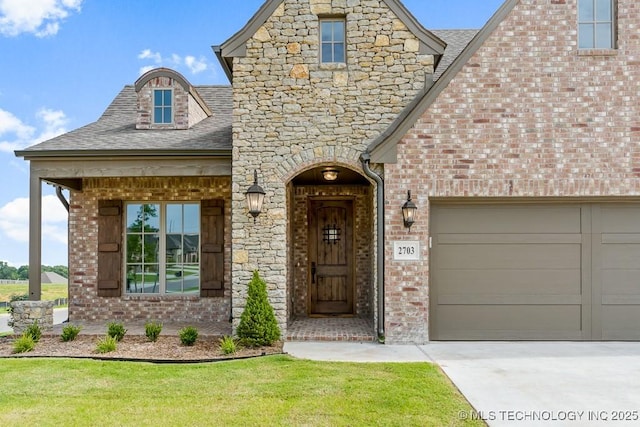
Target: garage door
(535, 272)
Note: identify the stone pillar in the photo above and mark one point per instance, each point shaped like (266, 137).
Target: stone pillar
(25, 313)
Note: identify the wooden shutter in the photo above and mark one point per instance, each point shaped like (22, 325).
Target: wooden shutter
(109, 248)
(212, 258)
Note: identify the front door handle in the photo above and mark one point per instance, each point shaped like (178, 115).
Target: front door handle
(313, 272)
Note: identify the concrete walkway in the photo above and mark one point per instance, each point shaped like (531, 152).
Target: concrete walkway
(520, 383)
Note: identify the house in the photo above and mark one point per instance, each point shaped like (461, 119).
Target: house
(513, 151)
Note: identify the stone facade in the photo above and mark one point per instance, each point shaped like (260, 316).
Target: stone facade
(26, 313)
(528, 116)
(84, 303)
(292, 113)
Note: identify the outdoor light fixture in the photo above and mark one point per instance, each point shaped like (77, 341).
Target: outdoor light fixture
(255, 197)
(330, 174)
(409, 211)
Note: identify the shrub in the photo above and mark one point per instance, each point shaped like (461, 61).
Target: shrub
(116, 330)
(258, 325)
(34, 330)
(152, 330)
(70, 332)
(24, 344)
(188, 335)
(228, 345)
(107, 345)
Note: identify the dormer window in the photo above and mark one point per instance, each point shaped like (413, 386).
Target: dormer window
(162, 106)
(332, 41)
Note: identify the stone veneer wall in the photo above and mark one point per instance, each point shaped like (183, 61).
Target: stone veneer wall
(363, 229)
(26, 313)
(529, 115)
(291, 113)
(84, 304)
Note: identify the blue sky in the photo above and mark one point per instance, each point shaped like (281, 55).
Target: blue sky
(63, 61)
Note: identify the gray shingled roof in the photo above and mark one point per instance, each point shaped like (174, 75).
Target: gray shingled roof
(115, 130)
(456, 41)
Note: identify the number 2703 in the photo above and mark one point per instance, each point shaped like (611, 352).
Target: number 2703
(406, 250)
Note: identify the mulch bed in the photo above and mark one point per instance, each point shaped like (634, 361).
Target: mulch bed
(165, 349)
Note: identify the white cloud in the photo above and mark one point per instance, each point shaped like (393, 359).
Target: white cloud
(14, 220)
(196, 65)
(39, 17)
(175, 61)
(15, 134)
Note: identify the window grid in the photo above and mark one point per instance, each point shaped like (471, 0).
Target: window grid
(163, 248)
(596, 24)
(332, 41)
(162, 106)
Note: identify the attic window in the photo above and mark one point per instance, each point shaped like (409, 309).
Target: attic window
(596, 23)
(332, 41)
(162, 106)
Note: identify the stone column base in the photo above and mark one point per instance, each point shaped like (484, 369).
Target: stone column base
(25, 313)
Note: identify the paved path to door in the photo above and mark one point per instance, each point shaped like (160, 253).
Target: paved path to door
(520, 383)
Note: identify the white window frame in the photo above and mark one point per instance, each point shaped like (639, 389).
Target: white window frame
(162, 248)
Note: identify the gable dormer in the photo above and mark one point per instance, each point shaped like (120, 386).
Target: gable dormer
(166, 100)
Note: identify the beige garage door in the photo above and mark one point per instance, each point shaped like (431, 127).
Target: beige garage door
(535, 272)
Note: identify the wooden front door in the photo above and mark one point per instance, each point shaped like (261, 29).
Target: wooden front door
(331, 269)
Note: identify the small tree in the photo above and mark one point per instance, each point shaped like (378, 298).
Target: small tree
(258, 325)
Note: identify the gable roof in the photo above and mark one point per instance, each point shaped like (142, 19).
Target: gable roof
(115, 133)
(384, 148)
(430, 44)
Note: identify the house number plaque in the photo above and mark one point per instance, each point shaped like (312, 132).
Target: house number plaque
(406, 251)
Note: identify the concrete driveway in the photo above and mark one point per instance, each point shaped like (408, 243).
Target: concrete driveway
(545, 383)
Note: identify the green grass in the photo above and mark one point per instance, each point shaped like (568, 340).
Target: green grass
(273, 391)
(49, 291)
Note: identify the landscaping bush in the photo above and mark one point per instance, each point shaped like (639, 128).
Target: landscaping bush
(24, 344)
(188, 335)
(107, 345)
(34, 331)
(258, 325)
(116, 330)
(70, 332)
(152, 330)
(228, 345)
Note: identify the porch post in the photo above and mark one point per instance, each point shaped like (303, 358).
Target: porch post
(35, 236)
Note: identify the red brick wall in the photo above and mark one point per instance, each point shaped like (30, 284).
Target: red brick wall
(84, 303)
(527, 116)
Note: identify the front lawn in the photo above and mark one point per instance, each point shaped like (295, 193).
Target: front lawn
(50, 292)
(268, 391)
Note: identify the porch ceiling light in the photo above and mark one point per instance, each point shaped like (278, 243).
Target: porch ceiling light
(409, 211)
(255, 197)
(330, 174)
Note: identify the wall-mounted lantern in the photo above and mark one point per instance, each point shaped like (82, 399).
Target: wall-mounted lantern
(255, 197)
(409, 211)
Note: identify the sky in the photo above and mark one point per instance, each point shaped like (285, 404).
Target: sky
(63, 61)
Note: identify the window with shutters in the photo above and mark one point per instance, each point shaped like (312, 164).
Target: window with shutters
(163, 248)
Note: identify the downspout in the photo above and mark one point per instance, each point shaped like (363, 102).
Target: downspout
(365, 158)
(64, 201)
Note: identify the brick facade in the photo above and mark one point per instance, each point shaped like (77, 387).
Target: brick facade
(84, 304)
(528, 116)
(292, 113)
